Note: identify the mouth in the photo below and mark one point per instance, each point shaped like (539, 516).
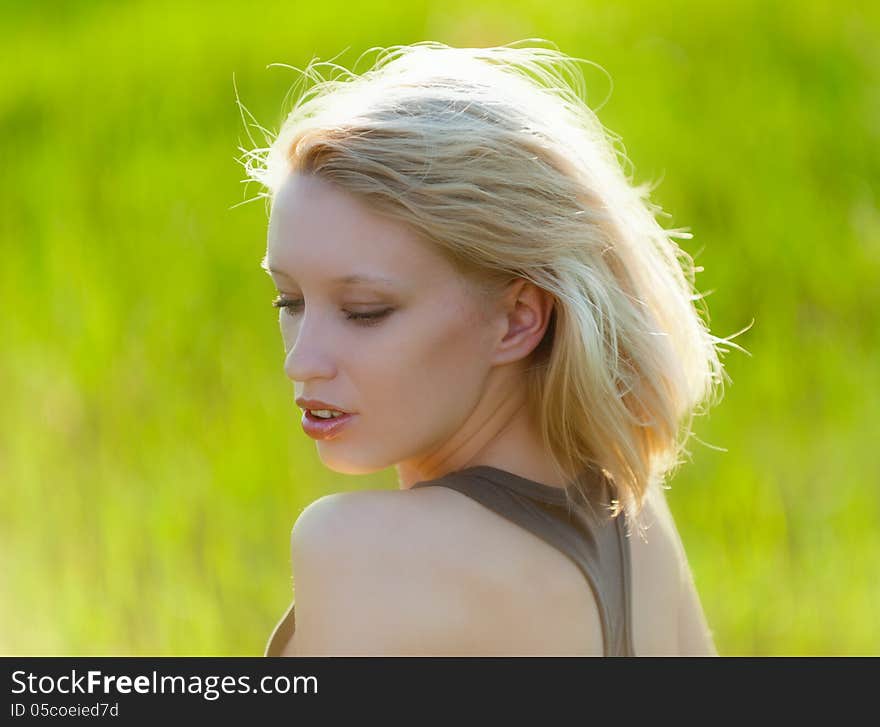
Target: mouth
(324, 428)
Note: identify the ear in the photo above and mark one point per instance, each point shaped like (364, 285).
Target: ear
(525, 314)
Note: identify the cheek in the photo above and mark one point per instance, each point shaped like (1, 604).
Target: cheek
(435, 368)
(288, 329)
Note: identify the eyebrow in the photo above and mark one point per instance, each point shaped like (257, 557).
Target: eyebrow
(351, 279)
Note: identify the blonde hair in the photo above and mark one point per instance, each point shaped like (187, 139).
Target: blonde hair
(493, 155)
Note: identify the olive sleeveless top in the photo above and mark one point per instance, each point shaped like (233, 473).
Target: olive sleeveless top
(582, 529)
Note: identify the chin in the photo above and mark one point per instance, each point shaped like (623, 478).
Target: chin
(345, 466)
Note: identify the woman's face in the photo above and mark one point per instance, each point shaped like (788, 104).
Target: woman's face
(379, 325)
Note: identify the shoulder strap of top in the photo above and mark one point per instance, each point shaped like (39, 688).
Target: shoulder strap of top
(572, 523)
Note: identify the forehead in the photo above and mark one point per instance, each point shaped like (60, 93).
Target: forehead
(317, 229)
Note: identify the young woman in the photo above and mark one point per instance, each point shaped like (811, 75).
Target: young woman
(472, 292)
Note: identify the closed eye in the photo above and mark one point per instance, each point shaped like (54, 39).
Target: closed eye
(294, 306)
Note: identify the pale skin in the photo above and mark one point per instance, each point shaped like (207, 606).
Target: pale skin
(436, 384)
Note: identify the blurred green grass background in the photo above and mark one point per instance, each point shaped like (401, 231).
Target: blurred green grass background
(151, 460)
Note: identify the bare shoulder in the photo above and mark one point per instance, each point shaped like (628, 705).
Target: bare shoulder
(420, 572)
(376, 573)
(413, 525)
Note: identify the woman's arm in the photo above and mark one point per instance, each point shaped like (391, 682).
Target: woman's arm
(694, 635)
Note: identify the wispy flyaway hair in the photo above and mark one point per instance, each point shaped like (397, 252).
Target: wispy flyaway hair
(493, 156)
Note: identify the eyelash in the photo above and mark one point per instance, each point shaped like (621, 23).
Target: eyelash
(364, 319)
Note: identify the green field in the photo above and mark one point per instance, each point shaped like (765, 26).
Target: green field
(151, 458)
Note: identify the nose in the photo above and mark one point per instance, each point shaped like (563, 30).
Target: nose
(308, 355)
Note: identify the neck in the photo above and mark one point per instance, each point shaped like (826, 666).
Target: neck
(500, 434)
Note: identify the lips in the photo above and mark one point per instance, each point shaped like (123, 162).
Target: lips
(313, 404)
(318, 428)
